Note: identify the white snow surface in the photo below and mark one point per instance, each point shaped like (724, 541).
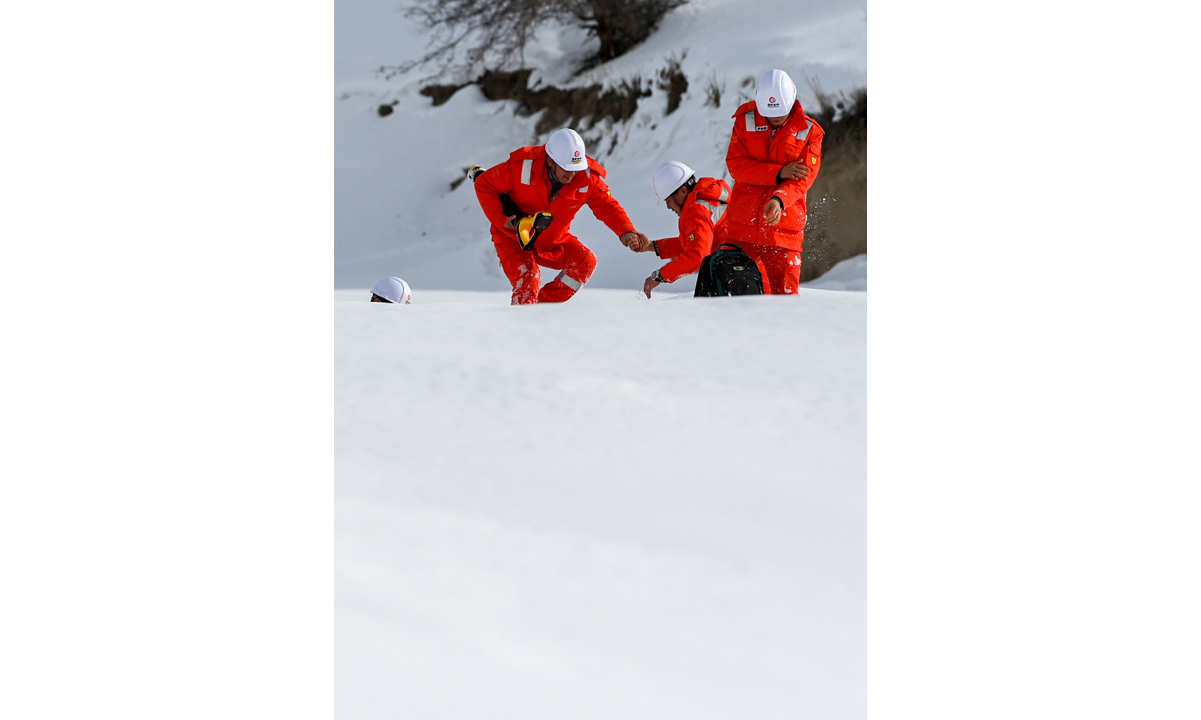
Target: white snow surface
(395, 212)
(612, 507)
(605, 508)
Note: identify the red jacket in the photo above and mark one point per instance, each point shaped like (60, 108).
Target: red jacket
(524, 178)
(757, 153)
(704, 211)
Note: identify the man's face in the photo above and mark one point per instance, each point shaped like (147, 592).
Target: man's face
(675, 201)
(562, 176)
(778, 121)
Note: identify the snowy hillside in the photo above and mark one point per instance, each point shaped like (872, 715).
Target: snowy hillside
(395, 211)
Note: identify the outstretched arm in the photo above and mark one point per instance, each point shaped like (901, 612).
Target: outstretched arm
(609, 211)
(694, 243)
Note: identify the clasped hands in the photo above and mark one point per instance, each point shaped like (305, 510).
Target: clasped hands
(636, 241)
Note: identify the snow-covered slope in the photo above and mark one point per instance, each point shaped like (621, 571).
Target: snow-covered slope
(606, 508)
(395, 211)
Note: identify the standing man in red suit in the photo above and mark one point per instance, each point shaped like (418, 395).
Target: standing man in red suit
(774, 155)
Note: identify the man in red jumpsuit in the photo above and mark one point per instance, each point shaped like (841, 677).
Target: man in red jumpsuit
(701, 205)
(555, 179)
(774, 155)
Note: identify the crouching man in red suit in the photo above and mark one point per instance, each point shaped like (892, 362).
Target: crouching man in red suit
(531, 199)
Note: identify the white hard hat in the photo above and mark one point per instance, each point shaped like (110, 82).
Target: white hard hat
(566, 148)
(669, 177)
(775, 94)
(394, 290)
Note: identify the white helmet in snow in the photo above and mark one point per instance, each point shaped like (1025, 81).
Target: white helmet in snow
(775, 94)
(393, 290)
(669, 177)
(566, 148)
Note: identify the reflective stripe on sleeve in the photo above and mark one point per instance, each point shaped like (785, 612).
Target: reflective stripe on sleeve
(715, 212)
(804, 133)
(526, 166)
(750, 121)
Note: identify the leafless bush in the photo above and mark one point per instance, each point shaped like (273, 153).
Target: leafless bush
(673, 81)
(498, 32)
(713, 91)
(746, 89)
(832, 107)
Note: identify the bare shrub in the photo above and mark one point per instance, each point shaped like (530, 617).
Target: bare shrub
(673, 81)
(746, 89)
(713, 91)
(498, 32)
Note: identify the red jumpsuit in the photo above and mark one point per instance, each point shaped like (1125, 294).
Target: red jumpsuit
(704, 211)
(757, 153)
(525, 179)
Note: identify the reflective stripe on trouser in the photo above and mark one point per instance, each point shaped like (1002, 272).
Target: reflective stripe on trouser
(575, 261)
(560, 289)
(781, 265)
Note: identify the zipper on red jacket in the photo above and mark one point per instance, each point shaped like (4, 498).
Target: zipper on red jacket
(555, 185)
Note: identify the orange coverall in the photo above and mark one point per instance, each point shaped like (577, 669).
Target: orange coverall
(756, 155)
(704, 211)
(525, 179)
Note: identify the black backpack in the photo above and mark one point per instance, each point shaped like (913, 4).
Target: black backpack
(728, 271)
